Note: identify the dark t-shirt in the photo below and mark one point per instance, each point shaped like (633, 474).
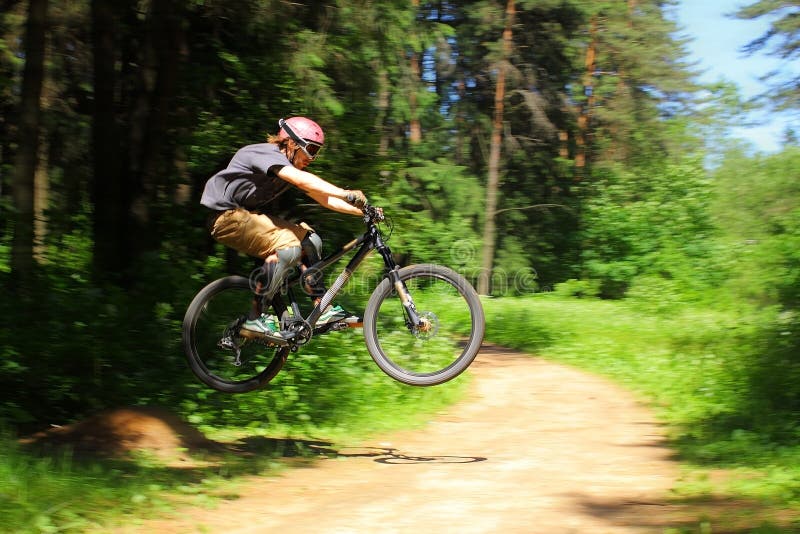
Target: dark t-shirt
(249, 181)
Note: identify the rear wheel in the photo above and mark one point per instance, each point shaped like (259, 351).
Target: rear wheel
(448, 337)
(218, 355)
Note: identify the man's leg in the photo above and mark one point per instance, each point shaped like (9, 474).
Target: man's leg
(276, 241)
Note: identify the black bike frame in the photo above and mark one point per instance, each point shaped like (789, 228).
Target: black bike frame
(369, 241)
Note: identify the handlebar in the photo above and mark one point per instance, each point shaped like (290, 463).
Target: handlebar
(373, 214)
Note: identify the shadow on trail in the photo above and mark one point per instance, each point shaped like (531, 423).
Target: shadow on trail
(387, 455)
(281, 447)
(302, 448)
(702, 514)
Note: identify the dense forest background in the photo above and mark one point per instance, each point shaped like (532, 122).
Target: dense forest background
(532, 145)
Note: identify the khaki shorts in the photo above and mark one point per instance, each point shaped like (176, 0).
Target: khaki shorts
(256, 234)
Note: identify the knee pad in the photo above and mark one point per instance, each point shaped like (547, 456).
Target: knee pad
(272, 275)
(312, 247)
(312, 280)
(289, 256)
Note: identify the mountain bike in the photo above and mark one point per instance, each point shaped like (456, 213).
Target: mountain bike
(423, 324)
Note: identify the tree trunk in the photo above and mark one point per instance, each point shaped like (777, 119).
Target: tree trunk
(28, 152)
(584, 118)
(110, 214)
(489, 237)
(461, 128)
(415, 129)
(41, 199)
(383, 111)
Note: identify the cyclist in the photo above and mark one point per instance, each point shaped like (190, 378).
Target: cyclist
(240, 196)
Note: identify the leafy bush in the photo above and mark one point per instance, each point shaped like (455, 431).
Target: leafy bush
(650, 222)
(757, 203)
(578, 288)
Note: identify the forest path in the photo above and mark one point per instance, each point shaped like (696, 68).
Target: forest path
(535, 447)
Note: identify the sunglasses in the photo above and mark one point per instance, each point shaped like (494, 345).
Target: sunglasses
(309, 148)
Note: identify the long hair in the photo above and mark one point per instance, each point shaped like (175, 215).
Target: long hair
(283, 143)
(287, 145)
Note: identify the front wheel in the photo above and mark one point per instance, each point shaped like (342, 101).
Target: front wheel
(218, 354)
(447, 337)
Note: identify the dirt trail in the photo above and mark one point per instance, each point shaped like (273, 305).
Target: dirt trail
(537, 447)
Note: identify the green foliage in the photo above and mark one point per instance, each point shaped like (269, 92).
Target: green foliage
(757, 203)
(654, 224)
(513, 273)
(331, 387)
(436, 210)
(578, 288)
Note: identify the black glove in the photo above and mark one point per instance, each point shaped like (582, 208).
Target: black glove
(356, 198)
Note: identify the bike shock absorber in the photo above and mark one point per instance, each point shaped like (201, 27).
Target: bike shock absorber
(405, 299)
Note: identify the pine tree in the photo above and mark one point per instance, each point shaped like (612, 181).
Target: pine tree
(636, 75)
(781, 40)
(494, 155)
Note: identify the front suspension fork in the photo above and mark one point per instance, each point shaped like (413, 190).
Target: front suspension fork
(414, 320)
(393, 271)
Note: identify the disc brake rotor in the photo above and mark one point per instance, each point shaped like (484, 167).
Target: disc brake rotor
(429, 326)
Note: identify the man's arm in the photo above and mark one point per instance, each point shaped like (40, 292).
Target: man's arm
(335, 204)
(325, 193)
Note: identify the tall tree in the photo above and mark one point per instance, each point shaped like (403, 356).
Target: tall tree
(415, 128)
(585, 111)
(28, 152)
(110, 212)
(639, 76)
(9, 33)
(137, 57)
(489, 232)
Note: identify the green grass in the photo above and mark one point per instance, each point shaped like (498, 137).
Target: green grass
(723, 381)
(655, 355)
(330, 395)
(54, 491)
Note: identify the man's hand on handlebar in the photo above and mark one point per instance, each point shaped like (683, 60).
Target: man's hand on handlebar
(356, 198)
(359, 200)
